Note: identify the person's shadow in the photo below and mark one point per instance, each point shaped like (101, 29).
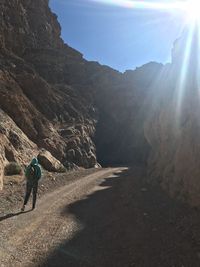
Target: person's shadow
(10, 215)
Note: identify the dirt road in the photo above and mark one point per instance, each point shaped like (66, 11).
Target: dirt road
(112, 218)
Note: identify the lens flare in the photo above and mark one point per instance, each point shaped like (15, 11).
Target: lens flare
(182, 79)
(154, 5)
(190, 60)
(192, 9)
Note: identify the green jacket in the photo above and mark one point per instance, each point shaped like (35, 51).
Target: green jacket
(33, 171)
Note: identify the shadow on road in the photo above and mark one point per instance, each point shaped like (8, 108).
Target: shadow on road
(10, 215)
(130, 223)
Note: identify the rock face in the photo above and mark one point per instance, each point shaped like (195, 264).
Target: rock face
(122, 111)
(173, 127)
(14, 144)
(60, 101)
(33, 90)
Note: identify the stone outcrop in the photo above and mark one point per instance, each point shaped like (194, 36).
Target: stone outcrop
(49, 163)
(15, 146)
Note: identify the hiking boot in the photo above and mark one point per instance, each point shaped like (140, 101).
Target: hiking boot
(23, 208)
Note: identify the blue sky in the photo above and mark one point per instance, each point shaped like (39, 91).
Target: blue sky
(121, 38)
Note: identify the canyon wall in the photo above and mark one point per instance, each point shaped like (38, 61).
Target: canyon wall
(173, 125)
(60, 101)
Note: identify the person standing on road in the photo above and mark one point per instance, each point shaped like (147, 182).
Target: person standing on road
(33, 174)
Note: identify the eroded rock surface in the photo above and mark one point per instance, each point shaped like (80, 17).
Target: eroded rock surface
(42, 104)
(61, 102)
(173, 126)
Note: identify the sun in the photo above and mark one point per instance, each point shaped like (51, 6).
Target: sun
(192, 10)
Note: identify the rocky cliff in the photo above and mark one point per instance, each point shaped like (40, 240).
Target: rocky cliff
(60, 101)
(173, 126)
(45, 111)
(84, 113)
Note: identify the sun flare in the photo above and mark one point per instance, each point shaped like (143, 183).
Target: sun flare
(192, 9)
(188, 11)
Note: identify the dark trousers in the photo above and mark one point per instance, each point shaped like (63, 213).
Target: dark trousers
(29, 188)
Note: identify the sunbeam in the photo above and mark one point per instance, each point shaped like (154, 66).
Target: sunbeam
(190, 8)
(143, 4)
(184, 69)
(187, 77)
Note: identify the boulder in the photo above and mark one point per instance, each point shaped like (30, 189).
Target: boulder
(49, 163)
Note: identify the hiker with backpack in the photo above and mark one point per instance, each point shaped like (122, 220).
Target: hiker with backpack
(32, 174)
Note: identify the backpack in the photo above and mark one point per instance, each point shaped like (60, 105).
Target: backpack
(33, 172)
